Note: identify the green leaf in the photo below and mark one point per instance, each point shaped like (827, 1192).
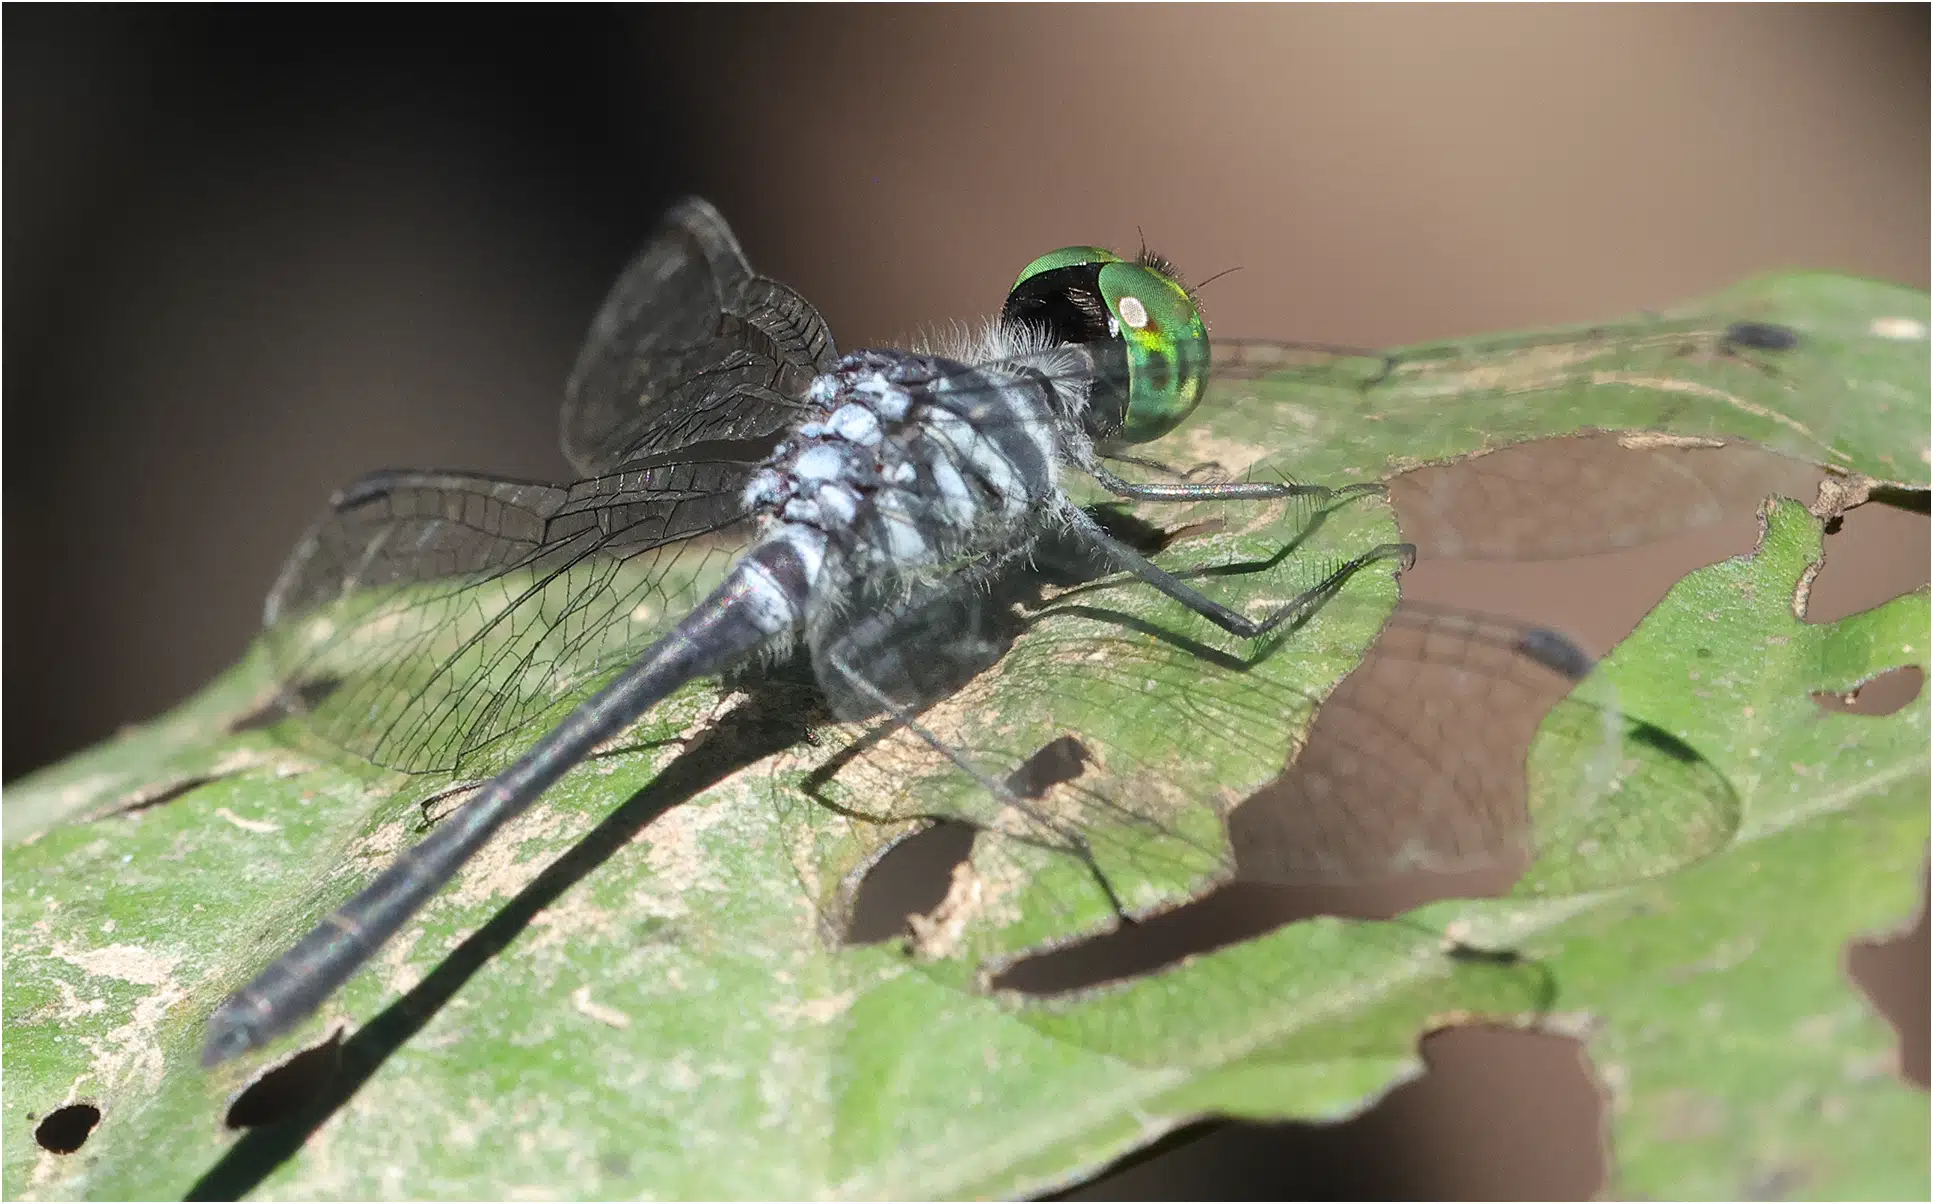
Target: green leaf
(633, 991)
(1848, 394)
(1713, 1000)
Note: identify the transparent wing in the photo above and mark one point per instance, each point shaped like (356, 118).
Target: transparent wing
(1464, 431)
(1135, 739)
(897, 646)
(1138, 753)
(429, 616)
(1416, 763)
(690, 346)
(1692, 383)
(452, 611)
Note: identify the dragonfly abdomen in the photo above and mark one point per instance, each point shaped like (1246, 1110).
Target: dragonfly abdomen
(755, 608)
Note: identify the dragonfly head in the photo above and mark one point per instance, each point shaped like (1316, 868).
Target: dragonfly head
(1138, 319)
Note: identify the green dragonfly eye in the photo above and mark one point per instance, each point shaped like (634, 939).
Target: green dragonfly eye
(1139, 319)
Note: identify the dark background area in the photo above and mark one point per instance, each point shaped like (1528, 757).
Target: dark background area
(253, 254)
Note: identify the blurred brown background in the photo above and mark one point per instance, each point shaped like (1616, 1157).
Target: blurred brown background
(251, 255)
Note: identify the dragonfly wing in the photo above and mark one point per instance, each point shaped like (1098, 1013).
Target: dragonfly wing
(1415, 762)
(1465, 492)
(909, 648)
(427, 616)
(691, 346)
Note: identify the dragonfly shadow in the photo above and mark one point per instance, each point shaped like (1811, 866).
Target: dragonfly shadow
(1080, 570)
(1414, 770)
(1409, 788)
(766, 724)
(1067, 562)
(981, 625)
(974, 630)
(963, 631)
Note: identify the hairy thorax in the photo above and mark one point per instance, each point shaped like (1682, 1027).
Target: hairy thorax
(912, 464)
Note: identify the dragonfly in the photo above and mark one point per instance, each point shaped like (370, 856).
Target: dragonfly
(751, 497)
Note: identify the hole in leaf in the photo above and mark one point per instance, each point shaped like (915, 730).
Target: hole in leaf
(1881, 695)
(1399, 736)
(66, 1128)
(1600, 599)
(283, 1090)
(1893, 974)
(1410, 788)
(1499, 1115)
(914, 876)
(1878, 553)
(1583, 497)
(911, 879)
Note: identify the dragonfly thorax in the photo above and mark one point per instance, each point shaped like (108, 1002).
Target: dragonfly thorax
(912, 462)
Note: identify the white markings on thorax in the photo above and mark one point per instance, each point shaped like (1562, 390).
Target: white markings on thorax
(915, 461)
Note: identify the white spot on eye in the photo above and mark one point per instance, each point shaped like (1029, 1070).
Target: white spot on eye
(1134, 313)
(1898, 328)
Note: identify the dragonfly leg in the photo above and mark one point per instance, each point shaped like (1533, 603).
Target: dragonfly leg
(1226, 491)
(425, 819)
(1233, 621)
(1166, 470)
(1072, 840)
